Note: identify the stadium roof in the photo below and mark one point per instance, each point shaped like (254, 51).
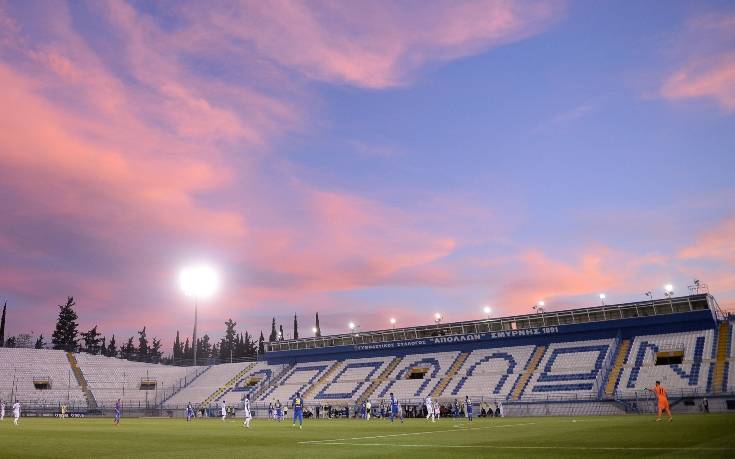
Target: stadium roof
(648, 308)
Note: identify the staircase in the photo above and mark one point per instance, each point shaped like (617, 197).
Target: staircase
(88, 395)
(228, 385)
(520, 386)
(323, 380)
(379, 380)
(721, 357)
(458, 362)
(612, 379)
(187, 383)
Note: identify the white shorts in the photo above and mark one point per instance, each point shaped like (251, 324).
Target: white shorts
(247, 414)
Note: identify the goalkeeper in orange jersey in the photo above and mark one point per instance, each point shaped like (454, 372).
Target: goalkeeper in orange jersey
(663, 400)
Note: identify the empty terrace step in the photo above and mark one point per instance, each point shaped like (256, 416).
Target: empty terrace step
(82, 381)
(458, 362)
(379, 380)
(612, 379)
(266, 390)
(538, 354)
(721, 357)
(323, 379)
(227, 385)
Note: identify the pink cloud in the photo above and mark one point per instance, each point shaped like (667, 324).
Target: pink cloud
(712, 80)
(708, 68)
(373, 44)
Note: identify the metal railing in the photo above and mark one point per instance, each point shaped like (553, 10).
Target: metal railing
(530, 321)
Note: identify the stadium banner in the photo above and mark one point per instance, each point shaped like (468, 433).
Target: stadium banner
(458, 338)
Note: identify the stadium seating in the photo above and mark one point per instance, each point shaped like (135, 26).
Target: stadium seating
(432, 366)
(206, 384)
(110, 378)
(351, 380)
(297, 379)
(489, 372)
(19, 368)
(570, 368)
(641, 372)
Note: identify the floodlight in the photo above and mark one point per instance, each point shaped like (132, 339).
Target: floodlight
(487, 309)
(351, 325)
(602, 296)
(669, 288)
(392, 320)
(541, 303)
(313, 329)
(199, 281)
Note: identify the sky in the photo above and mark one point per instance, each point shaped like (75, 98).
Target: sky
(365, 160)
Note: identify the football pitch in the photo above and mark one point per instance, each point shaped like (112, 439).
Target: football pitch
(710, 435)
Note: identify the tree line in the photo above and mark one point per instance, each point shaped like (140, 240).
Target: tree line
(233, 346)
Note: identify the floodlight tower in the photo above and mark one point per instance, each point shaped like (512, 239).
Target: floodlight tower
(487, 310)
(602, 298)
(199, 281)
(393, 322)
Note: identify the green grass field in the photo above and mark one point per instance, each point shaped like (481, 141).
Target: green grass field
(689, 435)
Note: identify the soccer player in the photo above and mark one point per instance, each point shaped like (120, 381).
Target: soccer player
(400, 412)
(437, 410)
(393, 407)
(2, 410)
(279, 411)
(663, 400)
(456, 408)
(368, 408)
(189, 412)
(429, 409)
(63, 411)
(118, 410)
(16, 412)
(223, 410)
(298, 408)
(271, 413)
(246, 408)
(501, 410)
(468, 407)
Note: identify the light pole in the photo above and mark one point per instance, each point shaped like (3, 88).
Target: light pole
(438, 318)
(539, 308)
(393, 322)
(602, 298)
(487, 310)
(668, 293)
(199, 281)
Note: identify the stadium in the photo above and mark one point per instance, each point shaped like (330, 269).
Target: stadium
(598, 361)
(367, 228)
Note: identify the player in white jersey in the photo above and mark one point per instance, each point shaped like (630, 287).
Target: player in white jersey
(246, 409)
(437, 411)
(500, 409)
(224, 410)
(368, 408)
(16, 412)
(2, 410)
(429, 409)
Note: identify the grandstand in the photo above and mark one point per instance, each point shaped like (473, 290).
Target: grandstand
(593, 360)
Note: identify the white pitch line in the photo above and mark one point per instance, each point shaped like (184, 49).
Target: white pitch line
(415, 433)
(580, 448)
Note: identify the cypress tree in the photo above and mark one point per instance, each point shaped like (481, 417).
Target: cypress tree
(274, 333)
(2, 326)
(39, 342)
(261, 344)
(318, 328)
(295, 327)
(112, 347)
(65, 335)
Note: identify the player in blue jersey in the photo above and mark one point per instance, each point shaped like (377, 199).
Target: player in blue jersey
(189, 412)
(279, 411)
(298, 410)
(394, 408)
(118, 412)
(468, 406)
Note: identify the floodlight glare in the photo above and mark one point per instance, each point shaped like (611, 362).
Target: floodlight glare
(392, 321)
(541, 303)
(602, 296)
(313, 329)
(199, 281)
(351, 325)
(487, 309)
(669, 288)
